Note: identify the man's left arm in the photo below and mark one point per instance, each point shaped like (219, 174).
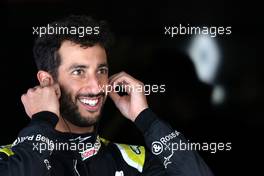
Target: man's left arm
(134, 106)
(164, 142)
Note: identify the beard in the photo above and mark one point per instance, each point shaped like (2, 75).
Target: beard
(69, 109)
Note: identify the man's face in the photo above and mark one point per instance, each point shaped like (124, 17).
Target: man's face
(82, 74)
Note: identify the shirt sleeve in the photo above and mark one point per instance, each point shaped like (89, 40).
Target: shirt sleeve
(29, 154)
(160, 139)
(153, 166)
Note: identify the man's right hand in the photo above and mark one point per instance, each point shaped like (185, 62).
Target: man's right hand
(39, 99)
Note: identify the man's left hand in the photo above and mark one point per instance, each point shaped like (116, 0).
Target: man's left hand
(135, 101)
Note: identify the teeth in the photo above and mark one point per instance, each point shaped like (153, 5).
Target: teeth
(89, 102)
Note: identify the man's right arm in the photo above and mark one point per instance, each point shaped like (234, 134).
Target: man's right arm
(29, 155)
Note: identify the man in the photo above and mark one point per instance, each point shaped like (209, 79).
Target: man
(65, 109)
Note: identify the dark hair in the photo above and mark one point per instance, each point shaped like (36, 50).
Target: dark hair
(47, 45)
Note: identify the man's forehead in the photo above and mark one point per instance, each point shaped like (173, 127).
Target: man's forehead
(72, 52)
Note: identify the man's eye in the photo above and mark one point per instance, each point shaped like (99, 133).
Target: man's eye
(78, 72)
(103, 71)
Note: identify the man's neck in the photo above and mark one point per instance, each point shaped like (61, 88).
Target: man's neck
(65, 126)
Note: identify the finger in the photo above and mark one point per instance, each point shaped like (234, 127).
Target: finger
(23, 98)
(112, 76)
(117, 75)
(57, 89)
(31, 90)
(125, 83)
(114, 96)
(122, 79)
(129, 79)
(24, 102)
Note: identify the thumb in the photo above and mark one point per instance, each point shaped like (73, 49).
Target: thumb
(57, 90)
(114, 96)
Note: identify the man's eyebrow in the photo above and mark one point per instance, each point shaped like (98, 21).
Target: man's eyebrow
(103, 65)
(74, 66)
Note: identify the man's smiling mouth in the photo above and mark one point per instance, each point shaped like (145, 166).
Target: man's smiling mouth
(90, 104)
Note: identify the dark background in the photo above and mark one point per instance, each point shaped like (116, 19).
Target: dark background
(143, 51)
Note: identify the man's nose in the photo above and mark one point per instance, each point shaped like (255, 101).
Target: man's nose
(92, 84)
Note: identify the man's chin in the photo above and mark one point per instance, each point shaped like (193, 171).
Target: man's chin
(90, 117)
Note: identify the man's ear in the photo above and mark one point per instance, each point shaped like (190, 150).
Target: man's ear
(44, 78)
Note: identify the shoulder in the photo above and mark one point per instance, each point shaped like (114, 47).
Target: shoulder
(133, 155)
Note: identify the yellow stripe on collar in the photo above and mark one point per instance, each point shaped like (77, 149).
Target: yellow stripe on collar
(7, 150)
(133, 155)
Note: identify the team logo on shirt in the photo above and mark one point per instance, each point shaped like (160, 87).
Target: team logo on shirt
(92, 150)
(81, 139)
